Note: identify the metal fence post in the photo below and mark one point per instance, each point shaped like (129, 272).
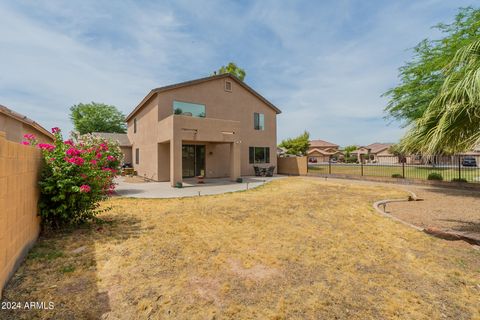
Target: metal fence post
(361, 165)
(459, 168)
(329, 164)
(403, 168)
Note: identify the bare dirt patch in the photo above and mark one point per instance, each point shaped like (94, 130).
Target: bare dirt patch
(256, 272)
(292, 249)
(446, 209)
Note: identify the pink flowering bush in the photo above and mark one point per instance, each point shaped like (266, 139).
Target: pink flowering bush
(77, 175)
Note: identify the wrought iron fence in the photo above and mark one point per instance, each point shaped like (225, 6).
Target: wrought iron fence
(448, 168)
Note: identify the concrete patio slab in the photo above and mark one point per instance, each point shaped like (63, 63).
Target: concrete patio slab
(190, 187)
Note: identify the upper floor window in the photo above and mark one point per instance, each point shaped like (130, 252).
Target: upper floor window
(137, 156)
(258, 121)
(134, 125)
(189, 109)
(228, 86)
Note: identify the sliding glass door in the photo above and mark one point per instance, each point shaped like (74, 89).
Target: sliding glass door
(193, 160)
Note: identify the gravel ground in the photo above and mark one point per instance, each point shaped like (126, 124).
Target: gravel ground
(450, 209)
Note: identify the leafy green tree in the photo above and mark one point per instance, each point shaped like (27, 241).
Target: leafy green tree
(422, 78)
(348, 149)
(397, 150)
(97, 117)
(232, 68)
(451, 122)
(298, 145)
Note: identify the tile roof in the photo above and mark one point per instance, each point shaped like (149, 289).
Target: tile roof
(321, 143)
(196, 81)
(324, 152)
(375, 147)
(122, 138)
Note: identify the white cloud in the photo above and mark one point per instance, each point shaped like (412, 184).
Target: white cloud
(45, 70)
(336, 91)
(324, 64)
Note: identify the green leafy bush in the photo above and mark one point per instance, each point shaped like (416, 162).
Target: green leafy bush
(397, 175)
(77, 175)
(459, 180)
(351, 159)
(435, 176)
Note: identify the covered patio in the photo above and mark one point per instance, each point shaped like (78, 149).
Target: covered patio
(190, 146)
(191, 187)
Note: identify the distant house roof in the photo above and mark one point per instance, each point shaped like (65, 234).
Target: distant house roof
(374, 147)
(324, 152)
(197, 81)
(322, 144)
(378, 147)
(24, 119)
(122, 138)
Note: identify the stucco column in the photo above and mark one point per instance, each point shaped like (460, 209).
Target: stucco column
(175, 161)
(234, 160)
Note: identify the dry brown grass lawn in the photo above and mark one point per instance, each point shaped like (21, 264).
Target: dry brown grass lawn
(292, 249)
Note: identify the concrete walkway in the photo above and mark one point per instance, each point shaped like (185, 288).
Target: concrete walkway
(190, 187)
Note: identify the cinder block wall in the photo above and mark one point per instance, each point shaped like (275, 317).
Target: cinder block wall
(19, 224)
(292, 165)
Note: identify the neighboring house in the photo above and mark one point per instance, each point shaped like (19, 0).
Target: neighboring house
(215, 126)
(16, 125)
(376, 152)
(474, 153)
(323, 151)
(123, 142)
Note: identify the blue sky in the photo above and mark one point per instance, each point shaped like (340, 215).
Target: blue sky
(324, 63)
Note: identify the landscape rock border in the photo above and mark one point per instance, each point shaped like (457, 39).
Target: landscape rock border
(433, 231)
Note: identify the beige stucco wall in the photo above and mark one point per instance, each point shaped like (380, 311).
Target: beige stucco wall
(320, 157)
(19, 224)
(386, 159)
(156, 126)
(315, 154)
(164, 161)
(384, 153)
(145, 140)
(292, 165)
(15, 129)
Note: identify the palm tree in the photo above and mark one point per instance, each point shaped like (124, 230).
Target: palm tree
(451, 122)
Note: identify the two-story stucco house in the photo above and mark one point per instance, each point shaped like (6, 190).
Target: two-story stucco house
(216, 126)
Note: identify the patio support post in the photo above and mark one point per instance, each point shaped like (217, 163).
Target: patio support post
(234, 160)
(175, 161)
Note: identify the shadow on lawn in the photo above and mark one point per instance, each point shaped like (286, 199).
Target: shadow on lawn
(456, 192)
(62, 268)
(128, 192)
(465, 226)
